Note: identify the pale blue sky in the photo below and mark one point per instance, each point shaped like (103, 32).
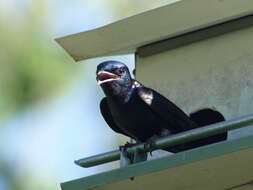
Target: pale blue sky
(48, 137)
(45, 139)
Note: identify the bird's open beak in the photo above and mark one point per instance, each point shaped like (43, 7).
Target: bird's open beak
(105, 76)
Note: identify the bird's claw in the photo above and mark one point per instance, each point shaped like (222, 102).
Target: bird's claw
(150, 147)
(147, 145)
(123, 150)
(150, 144)
(126, 146)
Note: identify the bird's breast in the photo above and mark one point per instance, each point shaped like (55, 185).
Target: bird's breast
(135, 118)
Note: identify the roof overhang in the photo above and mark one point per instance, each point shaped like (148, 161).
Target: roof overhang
(180, 17)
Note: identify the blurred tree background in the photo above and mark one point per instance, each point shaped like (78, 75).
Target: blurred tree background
(34, 70)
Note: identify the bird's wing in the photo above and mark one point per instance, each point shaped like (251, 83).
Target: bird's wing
(106, 113)
(177, 120)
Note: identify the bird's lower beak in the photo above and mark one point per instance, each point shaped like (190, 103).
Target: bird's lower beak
(105, 76)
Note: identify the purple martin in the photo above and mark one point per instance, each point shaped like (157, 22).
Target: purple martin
(142, 113)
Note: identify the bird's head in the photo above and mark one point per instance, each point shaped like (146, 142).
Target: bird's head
(113, 76)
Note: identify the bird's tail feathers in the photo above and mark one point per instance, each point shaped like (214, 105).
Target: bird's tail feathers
(202, 118)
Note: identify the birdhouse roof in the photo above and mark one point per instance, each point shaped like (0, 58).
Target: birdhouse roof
(127, 35)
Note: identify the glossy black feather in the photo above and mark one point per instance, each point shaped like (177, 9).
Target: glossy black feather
(202, 118)
(137, 119)
(176, 119)
(106, 113)
(141, 113)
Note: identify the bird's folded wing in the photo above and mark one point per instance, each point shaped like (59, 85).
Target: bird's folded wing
(105, 111)
(177, 120)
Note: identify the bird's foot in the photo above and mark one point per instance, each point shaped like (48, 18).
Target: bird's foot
(126, 158)
(126, 146)
(150, 143)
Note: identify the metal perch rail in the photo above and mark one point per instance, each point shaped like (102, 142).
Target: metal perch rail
(172, 140)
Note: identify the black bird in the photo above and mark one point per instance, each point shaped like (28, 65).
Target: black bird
(141, 113)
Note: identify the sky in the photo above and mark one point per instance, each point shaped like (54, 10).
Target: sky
(51, 135)
(46, 138)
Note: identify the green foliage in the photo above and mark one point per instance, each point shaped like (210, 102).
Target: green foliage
(32, 66)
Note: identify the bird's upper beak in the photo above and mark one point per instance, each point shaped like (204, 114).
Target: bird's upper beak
(105, 76)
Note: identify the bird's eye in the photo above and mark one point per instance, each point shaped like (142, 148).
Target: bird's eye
(120, 71)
